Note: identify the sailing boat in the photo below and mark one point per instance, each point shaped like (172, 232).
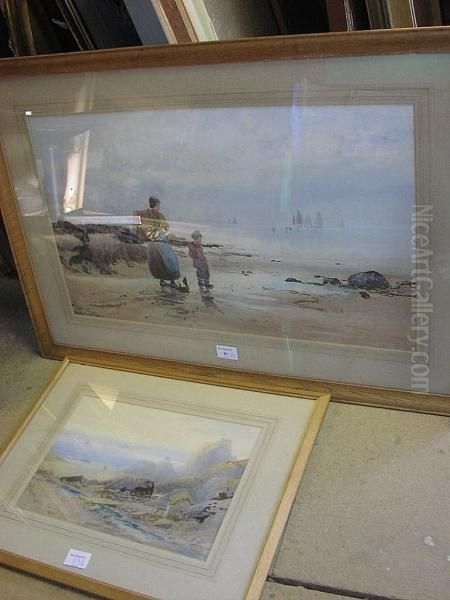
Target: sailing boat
(319, 220)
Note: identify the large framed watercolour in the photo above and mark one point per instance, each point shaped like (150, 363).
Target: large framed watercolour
(151, 487)
(272, 206)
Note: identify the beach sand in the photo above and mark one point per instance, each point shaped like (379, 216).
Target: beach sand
(250, 295)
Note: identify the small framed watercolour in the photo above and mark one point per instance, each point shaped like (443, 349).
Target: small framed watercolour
(134, 486)
(284, 197)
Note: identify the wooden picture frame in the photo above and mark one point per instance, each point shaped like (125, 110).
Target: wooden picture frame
(306, 98)
(175, 21)
(166, 485)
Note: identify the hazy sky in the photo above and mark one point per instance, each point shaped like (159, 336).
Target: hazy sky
(353, 163)
(171, 434)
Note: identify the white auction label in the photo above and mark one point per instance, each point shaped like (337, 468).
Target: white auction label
(77, 558)
(229, 352)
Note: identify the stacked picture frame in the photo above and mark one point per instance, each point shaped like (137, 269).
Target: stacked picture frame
(132, 486)
(303, 162)
(223, 233)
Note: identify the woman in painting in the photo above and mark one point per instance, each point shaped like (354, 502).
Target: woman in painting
(162, 260)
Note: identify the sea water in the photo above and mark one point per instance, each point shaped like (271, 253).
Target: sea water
(385, 250)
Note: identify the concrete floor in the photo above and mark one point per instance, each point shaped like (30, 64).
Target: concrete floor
(371, 519)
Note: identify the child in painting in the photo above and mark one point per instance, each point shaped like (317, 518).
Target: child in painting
(199, 261)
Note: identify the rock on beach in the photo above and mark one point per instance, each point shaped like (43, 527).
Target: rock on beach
(368, 280)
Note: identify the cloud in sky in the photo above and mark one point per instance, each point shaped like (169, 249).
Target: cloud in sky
(354, 162)
(141, 430)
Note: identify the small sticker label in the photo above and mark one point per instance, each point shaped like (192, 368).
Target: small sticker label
(228, 352)
(77, 558)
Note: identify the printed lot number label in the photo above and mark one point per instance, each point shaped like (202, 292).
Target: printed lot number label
(228, 352)
(77, 558)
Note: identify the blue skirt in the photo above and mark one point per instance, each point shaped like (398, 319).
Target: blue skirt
(162, 261)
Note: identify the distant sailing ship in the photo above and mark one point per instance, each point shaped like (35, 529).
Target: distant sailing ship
(319, 220)
(299, 221)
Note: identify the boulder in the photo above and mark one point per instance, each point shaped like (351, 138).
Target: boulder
(331, 281)
(368, 280)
